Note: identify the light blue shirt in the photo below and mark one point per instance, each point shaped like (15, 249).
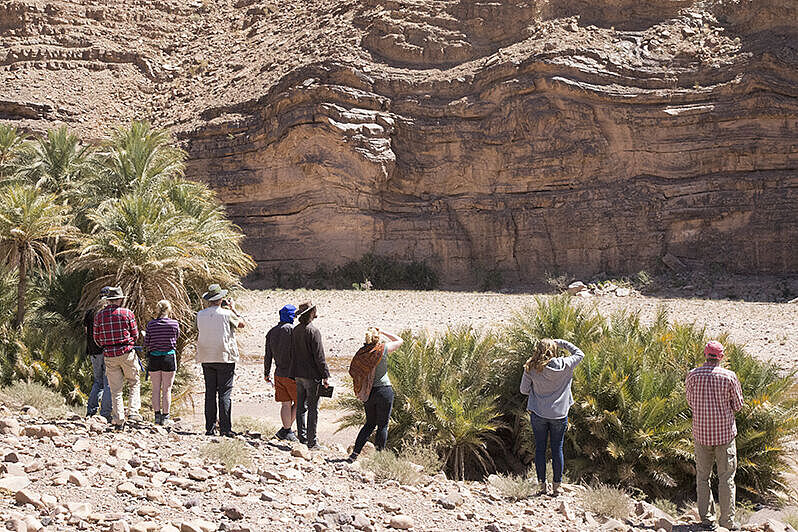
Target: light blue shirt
(550, 390)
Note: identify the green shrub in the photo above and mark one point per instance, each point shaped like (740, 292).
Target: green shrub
(369, 271)
(630, 424)
(441, 399)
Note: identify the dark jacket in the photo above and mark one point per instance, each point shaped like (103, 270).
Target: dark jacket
(278, 348)
(307, 356)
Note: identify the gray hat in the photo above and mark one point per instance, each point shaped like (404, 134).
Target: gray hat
(112, 292)
(214, 293)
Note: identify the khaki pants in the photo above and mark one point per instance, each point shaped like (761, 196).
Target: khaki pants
(120, 369)
(725, 456)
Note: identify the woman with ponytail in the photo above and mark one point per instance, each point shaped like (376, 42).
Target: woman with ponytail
(547, 381)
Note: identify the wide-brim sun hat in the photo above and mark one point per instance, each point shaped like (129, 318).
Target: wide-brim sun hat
(112, 292)
(304, 308)
(214, 293)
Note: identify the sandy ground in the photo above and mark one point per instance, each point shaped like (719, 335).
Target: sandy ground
(768, 330)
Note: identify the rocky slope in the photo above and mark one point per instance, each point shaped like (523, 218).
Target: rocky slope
(74, 474)
(512, 136)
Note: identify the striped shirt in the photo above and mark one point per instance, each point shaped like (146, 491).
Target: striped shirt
(161, 335)
(115, 330)
(714, 394)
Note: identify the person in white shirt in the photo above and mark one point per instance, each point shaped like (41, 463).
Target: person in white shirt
(217, 351)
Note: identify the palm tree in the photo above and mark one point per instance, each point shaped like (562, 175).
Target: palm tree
(58, 161)
(137, 159)
(31, 223)
(148, 250)
(12, 147)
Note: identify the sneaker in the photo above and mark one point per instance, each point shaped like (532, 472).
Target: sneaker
(290, 436)
(352, 458)
(317, 447)
(732, 526)
(119, 426)
(229, 434)
(135, 417)
(158, 418)
(281, 433)
(708, 525)
(211, 432)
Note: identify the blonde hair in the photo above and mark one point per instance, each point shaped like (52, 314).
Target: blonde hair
(372, 336)
(163, 308)
(544, 351)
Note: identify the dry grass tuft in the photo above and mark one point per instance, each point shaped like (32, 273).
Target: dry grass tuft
(255, 424)
(424, 456)
(387, 466)
(514, 487)
(608, 501)
(229, 453)
(49, 403)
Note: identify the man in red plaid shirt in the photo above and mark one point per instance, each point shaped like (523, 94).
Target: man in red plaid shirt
(116, 331)
(714, 395)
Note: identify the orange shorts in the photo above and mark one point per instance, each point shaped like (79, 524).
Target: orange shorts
(284, 389)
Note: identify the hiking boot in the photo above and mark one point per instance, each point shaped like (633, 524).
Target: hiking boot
(555, 489)
(119, 426)
(281, 433)
(708, 525)
(229, 434)
(158, 418)
(135, 417)
(543, 488)
(290, 436)
(731, 526)
(166, 421)
(317, 447)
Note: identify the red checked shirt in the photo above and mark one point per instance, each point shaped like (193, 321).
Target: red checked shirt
(115, 330)
(714, 395)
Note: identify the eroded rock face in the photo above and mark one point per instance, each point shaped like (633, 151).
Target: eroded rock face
(522, 137)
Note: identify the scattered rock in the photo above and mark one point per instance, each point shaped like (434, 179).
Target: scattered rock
(26, 496)
(42, 431)
(401, 522)
(14, 483)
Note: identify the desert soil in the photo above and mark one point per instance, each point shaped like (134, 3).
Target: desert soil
(767, 329)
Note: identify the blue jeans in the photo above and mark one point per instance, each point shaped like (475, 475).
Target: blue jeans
(307, 400)
(378, 414)
(548, 431)
(100, 384)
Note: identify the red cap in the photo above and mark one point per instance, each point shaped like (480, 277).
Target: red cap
(713, 349)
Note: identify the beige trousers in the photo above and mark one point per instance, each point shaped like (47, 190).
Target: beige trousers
(119, 370)
(725, 456)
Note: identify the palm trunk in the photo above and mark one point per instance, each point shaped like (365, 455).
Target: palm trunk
(21, 289)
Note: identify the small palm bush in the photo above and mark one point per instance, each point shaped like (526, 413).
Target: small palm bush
(442, 400)
(630, 424)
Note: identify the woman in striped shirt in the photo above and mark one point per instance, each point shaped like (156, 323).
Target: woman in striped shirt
(160, 342)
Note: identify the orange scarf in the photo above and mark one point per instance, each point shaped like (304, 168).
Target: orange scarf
(362, 369)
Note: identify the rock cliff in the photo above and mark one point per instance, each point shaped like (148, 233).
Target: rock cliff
(521, 137)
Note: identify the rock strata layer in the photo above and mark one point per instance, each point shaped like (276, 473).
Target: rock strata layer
(512, 137)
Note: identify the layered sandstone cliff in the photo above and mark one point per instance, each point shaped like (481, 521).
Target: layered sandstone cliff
(522, 137)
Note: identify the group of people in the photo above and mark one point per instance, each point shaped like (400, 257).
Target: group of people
(111, 337)
(301, 377)
(713, 393)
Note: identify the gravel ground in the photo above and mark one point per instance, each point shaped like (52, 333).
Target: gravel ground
(767, 329)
